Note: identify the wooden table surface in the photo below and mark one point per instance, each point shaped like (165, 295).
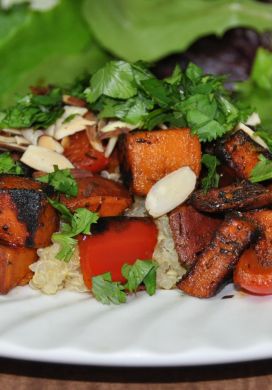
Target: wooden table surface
(23, 375)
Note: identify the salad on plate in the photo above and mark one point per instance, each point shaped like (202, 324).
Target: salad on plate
(125, 181)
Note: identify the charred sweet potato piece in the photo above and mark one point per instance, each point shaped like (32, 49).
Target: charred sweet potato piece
(240, 152)
(25, 213)
(192, 232)
(263, 247)
(240, 196)
(215, 263)
(14, 266)
(227, 176)
(147, 156)
(104, 196)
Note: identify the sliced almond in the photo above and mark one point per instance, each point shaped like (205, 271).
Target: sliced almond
(91, 132)
(43, 159)
(21, 140)
(65, 142)
(110, 146)
(253, 119)
(11, 131)
(50, 143)
(11, 143)
(113, 125)
(171, 191)
(32, 135)
(252, 135)
(69, 123)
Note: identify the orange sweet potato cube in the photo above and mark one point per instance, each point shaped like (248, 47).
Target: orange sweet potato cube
(147, 156)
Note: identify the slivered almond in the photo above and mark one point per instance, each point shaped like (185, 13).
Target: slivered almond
(110, 146)
(69, 123)
(252, 134)
(32, 135)
(91, 132)
(253, 120)
(114, 125)
(43, 159)
(50, 143)
(171, 191)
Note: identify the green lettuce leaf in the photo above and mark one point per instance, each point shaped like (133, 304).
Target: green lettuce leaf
(149, 30)
(257, 90)
(44, 47)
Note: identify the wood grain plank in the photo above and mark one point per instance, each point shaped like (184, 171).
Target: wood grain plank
(8, 382)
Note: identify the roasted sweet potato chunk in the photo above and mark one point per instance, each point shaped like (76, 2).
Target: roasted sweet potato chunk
(25, 213)
(240, 152)
(216, 262)
(192, 232)
(240, 196)
(147, 156)
(263, 247)
(14, 266)
(104, 196)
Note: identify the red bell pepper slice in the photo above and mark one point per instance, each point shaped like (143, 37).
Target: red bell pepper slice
(122, 240)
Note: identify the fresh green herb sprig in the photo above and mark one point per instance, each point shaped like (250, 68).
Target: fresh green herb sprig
(73, 224)
(107, 291)
(62, 181)
(9, 166)
(262, 170)
(266, 135)
(212, 178)
(130, 92)
(38, 111)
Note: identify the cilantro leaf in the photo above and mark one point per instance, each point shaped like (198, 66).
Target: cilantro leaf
(82, 221)
(67, 246)
(78, 223)
(266, 135)
(262, 170)
(115, 80)
(107, 291)
(212, 178)
(33, 111)
(62, 181)
(62, 209)
(131, 93)
(142, 271)
(175, 76)
(9, 166)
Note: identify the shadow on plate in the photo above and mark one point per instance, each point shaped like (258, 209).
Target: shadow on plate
(135, 375)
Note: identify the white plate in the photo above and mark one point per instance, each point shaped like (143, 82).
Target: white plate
(167, 329)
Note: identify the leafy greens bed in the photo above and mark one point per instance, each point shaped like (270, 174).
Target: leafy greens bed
(132, 30)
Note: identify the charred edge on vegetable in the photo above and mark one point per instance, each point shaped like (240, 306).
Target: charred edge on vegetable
(124, 169)
(192, 281)
(29, 206)
(238, 138)
(238, 196)
(120, 223)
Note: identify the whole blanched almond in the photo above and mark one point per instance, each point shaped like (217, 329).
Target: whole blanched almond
(43, 159)
(171, 191)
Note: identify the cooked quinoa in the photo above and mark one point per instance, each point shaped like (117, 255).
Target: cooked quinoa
(52, 275)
